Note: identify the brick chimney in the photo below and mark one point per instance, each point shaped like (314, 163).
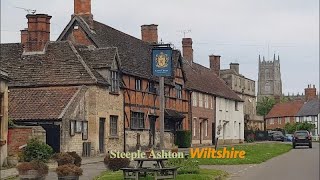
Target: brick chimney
(149, 33)
(235, 66)
(35, 37)
(82, 8)
(187, 49)
(215, 63)
(24, 36)
(310, 92)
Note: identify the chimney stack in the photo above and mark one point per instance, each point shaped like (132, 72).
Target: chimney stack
(82, 8)
(235, 66)
(35, 37)
(215, 64)
(149, 33)
(310, 92)
(187, 49)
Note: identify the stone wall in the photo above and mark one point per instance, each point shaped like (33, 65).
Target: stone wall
(4, 118)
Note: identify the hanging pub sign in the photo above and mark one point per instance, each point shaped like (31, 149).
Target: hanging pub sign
(162, 61)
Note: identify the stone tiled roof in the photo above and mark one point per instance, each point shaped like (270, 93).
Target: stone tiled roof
(287, 109)
(29, 104)
(310, 108)
(98, 58)
(59, 65)
(134, 54)
(204, 80)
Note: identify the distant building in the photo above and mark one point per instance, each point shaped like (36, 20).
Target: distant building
(310, 112)
(245, 89)
(269, 80)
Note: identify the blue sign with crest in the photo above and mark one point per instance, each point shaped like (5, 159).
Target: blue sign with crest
(162, 61)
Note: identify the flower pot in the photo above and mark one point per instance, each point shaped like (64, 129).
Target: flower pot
(68, 178)
(31, 174)
(12, 161)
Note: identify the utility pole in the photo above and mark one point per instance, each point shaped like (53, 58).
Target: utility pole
(162, 104)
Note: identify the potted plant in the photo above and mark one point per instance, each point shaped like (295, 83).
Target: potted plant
(63, 158)
(69, 172)
(115, 164)
(32, 170)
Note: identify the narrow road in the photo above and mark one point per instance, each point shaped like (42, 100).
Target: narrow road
(300, 163)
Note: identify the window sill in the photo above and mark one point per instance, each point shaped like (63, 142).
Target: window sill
(114, 93)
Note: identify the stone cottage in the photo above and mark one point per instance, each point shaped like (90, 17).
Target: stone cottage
(3, 115)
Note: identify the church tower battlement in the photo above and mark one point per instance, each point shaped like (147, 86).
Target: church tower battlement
(269, 78)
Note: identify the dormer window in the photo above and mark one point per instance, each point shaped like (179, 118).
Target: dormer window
(114, 82)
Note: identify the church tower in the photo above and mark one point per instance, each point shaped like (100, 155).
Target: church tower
(269, 80)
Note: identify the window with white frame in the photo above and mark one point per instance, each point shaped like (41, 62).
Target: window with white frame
(227, 105)
(179, 90)
(114, 81)
(313, 119)
(206, 103)
(200, 100)
(287, 120)
(271, 121)
(137, 120)
(206, 127)
(279, 120)
(211, 104)
(138, 85)
(113, 125)
(236, 105)
(194, 99)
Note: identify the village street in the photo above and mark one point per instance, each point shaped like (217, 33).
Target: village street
(300, 163)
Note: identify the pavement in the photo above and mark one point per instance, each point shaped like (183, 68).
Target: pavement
(297, 164)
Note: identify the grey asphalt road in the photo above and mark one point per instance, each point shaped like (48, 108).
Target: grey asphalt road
(298, 164)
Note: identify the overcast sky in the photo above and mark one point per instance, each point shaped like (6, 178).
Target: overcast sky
(238, 30)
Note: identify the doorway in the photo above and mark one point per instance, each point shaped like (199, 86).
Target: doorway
(52, 136)
(201, 132)
(152, 122)
(102, 122)
(213, 128)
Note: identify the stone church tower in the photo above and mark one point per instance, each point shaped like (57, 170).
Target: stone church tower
(269, 81)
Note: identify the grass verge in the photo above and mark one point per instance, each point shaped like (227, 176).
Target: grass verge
(255, 154)
(205, 174)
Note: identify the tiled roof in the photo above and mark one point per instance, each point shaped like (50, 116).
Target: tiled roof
(98, 58)
(134, 54)
(310, 108)
(59, 65)
(287, 109)
(200, 78)
(28, 104)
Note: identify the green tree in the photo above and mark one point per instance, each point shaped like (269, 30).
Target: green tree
(291, 128)
(265, 105)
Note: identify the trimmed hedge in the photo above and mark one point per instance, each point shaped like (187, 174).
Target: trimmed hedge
(183, 139)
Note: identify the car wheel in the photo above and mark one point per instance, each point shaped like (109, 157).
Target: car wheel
(310, 145)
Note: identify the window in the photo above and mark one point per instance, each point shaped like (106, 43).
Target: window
(227, 105)
(271, 121)
(212, 99)
(313, 119)
(179, 91)
(152, 87)
(267, 87)
(194, 99)
(206, 103)
(78, 126)
(267, 73)
(1, 113)
(236, 104)
(200, 100)
(279, 120)
(220, 104)
(287, 120)
(114, 81)
(85, 130)
(137, 120)
(72, 128)
(138, 84)
(113, 125)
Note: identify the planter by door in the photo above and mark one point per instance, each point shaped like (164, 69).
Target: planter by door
(32, 174)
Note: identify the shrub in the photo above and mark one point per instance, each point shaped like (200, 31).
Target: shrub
(37, 150)
(37, 165)
(183, 139)
(63, 158)
(77, 158)
(69, 170)
(250, 138)
(186, 166)
(115, 164)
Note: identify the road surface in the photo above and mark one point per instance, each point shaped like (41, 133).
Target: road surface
(298, 164)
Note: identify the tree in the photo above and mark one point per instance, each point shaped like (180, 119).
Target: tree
(265, 105)
(291, 128)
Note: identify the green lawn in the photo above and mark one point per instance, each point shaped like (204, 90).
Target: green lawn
(255, 154)
(204, 174)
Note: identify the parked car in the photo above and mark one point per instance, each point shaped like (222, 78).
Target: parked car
(277, 136)
(302, 138)
(289, 137)
(270, 133)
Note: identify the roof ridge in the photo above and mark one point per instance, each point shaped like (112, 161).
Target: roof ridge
(82, 61)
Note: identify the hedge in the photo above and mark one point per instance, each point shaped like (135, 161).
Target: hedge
(183, 139)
